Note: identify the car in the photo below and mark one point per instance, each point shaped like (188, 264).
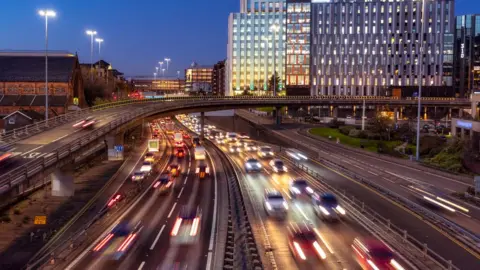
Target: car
(219, 141)
(138, 176)
(187, 226)
(115, 199)
(149, 157)
(243, 135)
(278, 165)
(174, 169)
(85, 123)
(304, 244)
(295, 154)
(326, 207)
(265, 152)
(250, 147)
(196, 141)
(274, 203)
(299, 188)
(117, 243)
(186, 136)
(202, 170)
(233, 148)
(163, 183)
(146, 167)
(4, 156)
(155, 135)
(371, 253)
(180, 152)
(252, 165)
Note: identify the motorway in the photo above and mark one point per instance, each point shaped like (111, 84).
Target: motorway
(154, 216)
(401, 217)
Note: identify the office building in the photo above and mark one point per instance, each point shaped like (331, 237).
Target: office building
(254, 36)
(218, 79)
(198, 79)
(363, 47)
(467, 55)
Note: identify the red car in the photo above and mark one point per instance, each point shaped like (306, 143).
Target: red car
(373, 254)
(180, 153)
(304, 244)
(174, 169)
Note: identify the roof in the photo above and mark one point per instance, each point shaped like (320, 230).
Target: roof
(32, 115)
(17, 67)
(55, 101)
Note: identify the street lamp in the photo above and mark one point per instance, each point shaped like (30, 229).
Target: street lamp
(154, 77)
(99, 41)
(46, 13)
(156, 68)
(420, 67)
(178, 74)
(91, 33)
(168, 61)
(161, 65)
(163, 72)
(274, 28)
(265, 39)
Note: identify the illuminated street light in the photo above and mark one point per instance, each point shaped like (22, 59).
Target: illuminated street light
(46, 13)
(91, 33)
(163, 72)
(168, 61)
(99, 41)
(161, 65)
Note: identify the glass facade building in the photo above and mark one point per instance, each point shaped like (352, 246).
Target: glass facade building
(252, 45)
(467, 55)
(361, 47)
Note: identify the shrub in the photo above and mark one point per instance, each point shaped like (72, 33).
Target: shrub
(5, 219)
(345, 129)
(335, 123)
(362, 134)
(26, 219)
(373, 136)
(16, 211)
(355, 133)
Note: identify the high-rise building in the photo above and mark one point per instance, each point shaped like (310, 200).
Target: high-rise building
(254, 36)
(297, 66)
(362, 47)
(218, 78)
(467, 55)
(198, 79)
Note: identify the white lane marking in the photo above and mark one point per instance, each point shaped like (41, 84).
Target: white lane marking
(171, 211)
(286, 193)
(373, 173)
(185, 182)
(357, 166)
(301, 211)
(180, 194)
(323, 240)
(156, 238)
(57, 139)
(33, 149)
(388, 180)
(266, 171)
(141, 265)
(346, 161)
(214, 222)
(464, 214)
(449, 189)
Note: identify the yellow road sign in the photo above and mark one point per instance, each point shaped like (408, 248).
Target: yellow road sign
(40, 220)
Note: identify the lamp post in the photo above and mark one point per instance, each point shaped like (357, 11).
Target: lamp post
(265, 39)
(420, 67)
(163, 72)
(91, 33)
(168, 61)
(156, 68)
(99, 41)
(178, 74)
(154, 77)
(274, 28)
(161, 65)
(46, 14)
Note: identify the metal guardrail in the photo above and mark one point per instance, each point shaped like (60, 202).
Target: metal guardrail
(414, 250)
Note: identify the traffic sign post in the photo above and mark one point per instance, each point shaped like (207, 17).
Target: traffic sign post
(40, 220)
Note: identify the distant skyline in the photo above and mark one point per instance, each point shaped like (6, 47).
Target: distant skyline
(137, 34)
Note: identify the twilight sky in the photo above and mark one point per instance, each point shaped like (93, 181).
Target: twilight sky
(137, 33)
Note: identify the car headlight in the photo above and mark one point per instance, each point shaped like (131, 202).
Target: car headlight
(270, 153)
(275, 169)
(324, 211)
(248, 166)
(295, 190)
(341, 210)
(309, 190)
(269, 207)
(259, 165)
(285, 205)
(285, 169)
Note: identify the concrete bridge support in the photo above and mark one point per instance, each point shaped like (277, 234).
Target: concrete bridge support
(62, 181)
(335, 112)
(115, 145)
(278, 115)
(395, 116)
(202, 125)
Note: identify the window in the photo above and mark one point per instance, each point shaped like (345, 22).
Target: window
(11, 121)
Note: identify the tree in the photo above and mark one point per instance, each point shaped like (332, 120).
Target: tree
(277, 82)
(93, 90)
(382, 126)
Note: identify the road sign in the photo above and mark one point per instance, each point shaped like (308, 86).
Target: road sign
(40, 220)
(119, 148)
(476, 183)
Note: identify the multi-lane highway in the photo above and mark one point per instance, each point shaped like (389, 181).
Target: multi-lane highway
(153, 218)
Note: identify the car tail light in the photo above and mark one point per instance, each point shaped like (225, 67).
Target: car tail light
(103, 242)
(156, 184)
(357, 251)
(88, 124)
(127, 242)
(5, 156)
(79, 123)
(396, 265)
(176, 227)
(197, 170)
(299, 250)
(194, 229)
(319, 250)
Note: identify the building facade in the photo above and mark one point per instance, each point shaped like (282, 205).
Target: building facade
(218, 79)
(467, 55)
(361, 47)
(198, 79)
(103, 74)
(255, 35)
(22, 82)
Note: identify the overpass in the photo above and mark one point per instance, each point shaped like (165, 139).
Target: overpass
(60, 143)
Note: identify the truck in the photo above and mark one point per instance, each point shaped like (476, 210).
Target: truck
(153, 145)
(200, 153)
(170, 127)
(178, 139)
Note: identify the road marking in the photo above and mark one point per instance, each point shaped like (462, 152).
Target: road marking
(449, 189)
(266, 171)
(156, 239)
(62, 137)
(389, 180)
(141, 265)
(373, 173)
(357, 166)
(185, 182)
(301, 212)
(323, 240)
(214, 222)
(286, 193)
(180, 194)
(171, 211)
(33, 149)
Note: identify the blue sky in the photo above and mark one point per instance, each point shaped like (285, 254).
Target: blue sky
(137, 33)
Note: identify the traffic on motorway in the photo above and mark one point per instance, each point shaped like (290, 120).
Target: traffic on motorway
(307, 228)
